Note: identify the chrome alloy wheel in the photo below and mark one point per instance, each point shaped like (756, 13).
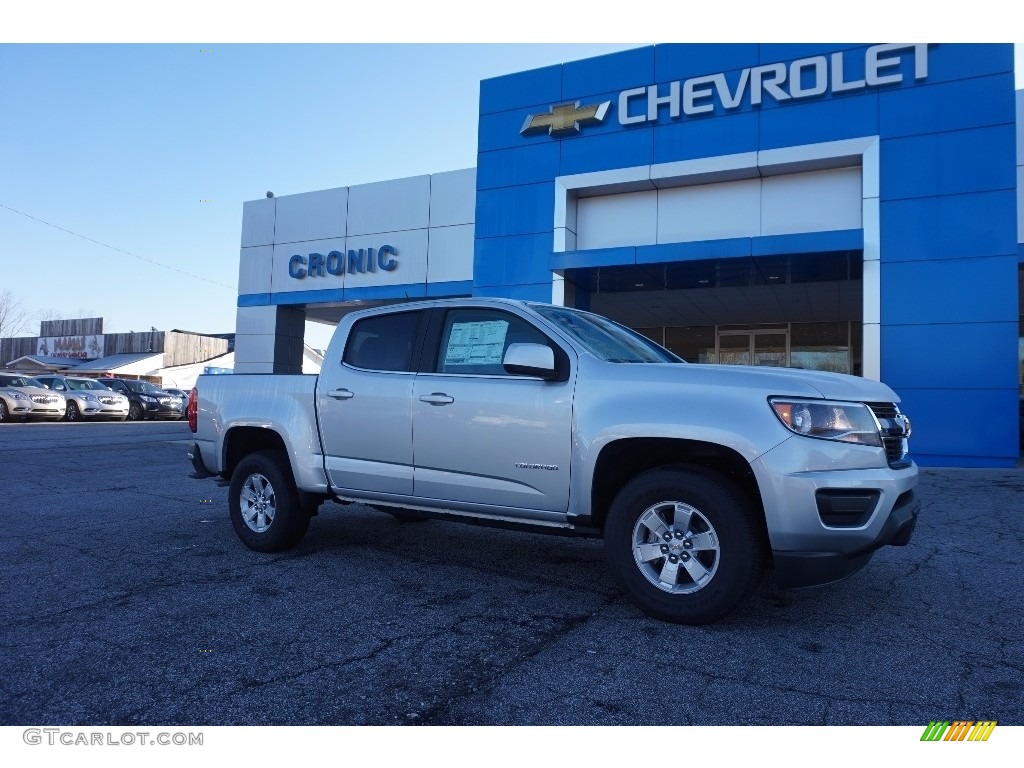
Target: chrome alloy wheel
(258, 503)
(675, 547)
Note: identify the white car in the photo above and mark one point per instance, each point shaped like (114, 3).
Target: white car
(87, 398)
(45, 404)
(14, 404)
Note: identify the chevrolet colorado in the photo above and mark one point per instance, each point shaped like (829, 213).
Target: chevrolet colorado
(547, 418)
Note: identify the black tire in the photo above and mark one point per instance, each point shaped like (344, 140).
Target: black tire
(72, 413)
(402, 514)
(4, 415)
(264, 503)
(135, 412)
(717, 549)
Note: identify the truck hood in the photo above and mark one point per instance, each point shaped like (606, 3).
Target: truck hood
(793, 382)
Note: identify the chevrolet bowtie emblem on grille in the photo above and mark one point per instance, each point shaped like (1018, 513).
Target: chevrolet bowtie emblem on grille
(565, 118)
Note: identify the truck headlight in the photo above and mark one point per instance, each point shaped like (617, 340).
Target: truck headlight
(828, 420)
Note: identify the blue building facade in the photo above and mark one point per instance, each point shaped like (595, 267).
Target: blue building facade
(852, 208)
(726, 196)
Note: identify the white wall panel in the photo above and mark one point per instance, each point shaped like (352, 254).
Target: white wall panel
(872, 225)
(256, 320)
(254, 348)
(709, 211)
(261, 367)
(411, 258)
(453, 198)
(705, 170)
(450, 254)
(613, 220)
(281, 282)
(311, 215)
(254, 265)
(819, 201)
(258, 222)
(389, 206)
(565, 240)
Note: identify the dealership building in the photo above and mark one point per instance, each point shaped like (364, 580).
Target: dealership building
(851, 208)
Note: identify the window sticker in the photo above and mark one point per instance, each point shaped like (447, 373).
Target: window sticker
(477, 343)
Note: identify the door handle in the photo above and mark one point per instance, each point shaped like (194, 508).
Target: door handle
(437, 398)
(341, 394)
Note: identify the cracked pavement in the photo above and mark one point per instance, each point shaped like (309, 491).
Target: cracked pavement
(127, 599)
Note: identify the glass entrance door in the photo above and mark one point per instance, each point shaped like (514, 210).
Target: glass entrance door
(753, 347)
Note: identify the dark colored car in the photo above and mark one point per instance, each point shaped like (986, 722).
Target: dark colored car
(182, 394)
(146, 401)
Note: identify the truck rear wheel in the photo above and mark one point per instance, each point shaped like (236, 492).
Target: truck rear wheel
(683, 544)
(264, 503)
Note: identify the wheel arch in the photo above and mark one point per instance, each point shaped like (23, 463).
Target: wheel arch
(239, 442)
(621, 460)
(243, 441)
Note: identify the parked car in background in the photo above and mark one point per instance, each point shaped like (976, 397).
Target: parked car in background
(14, 404)
(182, 394)
(45, 404)
(87, 398)
(146, 401)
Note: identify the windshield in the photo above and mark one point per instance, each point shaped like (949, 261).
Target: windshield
(144, 387)
(604, 339)
(89, 384)
(20, 381)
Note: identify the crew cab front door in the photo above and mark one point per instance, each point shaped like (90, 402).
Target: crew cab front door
(482, 436)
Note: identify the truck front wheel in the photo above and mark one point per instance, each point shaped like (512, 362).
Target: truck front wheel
(683, 544)
(264, 503)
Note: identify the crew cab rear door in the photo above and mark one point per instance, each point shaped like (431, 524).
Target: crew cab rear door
(482, 436)
(363, 405)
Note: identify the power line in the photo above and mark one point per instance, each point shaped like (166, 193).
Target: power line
(113, 248)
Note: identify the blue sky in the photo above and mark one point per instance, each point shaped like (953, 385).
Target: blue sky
(126, 143)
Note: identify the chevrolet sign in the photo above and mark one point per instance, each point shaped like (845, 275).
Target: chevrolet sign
(565, 118)
(782, 82)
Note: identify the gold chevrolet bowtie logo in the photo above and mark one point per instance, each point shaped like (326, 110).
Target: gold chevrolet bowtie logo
(565, 118)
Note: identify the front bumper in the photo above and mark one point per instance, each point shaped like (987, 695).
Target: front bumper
(162, 410)
(811, 543)
(47, 410)
(794, 570)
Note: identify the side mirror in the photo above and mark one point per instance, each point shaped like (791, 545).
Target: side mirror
(529, 360)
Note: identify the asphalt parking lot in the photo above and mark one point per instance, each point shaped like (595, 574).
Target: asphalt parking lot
(127, 599)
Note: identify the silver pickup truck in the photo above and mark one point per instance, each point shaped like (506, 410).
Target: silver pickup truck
(540, 417)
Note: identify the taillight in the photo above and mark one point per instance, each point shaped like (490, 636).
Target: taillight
(192, 410)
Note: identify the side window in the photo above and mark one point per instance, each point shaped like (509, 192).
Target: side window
(384, 342)
(474, 341)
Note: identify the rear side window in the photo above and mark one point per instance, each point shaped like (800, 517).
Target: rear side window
(384, 342)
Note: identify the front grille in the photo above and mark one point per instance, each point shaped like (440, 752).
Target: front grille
(884, 410)
(895, 429)
(111, 400)
(44, 399)
(165, 401)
